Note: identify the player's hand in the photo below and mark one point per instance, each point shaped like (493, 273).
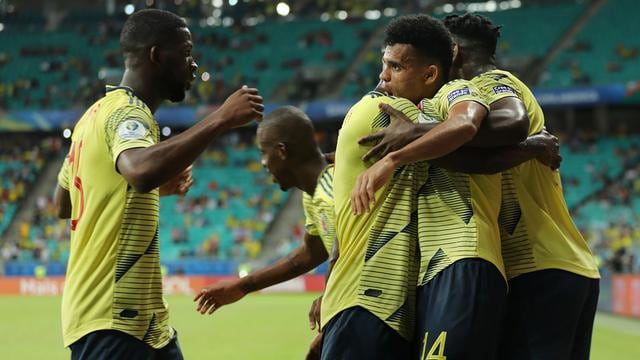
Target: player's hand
(370, 181)
(215, 296)
(314, 313)
(180, 184)
(315, 349)
(241, 107)
(548, 148)
(399, 133)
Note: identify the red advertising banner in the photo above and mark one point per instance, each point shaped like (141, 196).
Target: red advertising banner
(187, 285)
(626, 295)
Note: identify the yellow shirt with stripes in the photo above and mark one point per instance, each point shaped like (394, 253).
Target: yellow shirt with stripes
(536, 227)
(319, 211)
(113, 276)
(457, 212)
(377, 267)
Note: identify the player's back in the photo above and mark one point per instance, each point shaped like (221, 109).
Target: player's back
(377, 265)
(537, 229)
(113, 276)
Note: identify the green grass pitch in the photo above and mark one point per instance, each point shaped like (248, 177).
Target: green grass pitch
(263, 326)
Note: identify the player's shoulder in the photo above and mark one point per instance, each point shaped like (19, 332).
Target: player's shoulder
(457, 86)
(121, 101)
(455, 89)
(495, 74)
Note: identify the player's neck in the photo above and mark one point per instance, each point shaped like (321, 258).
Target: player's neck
(142, 89)
(475, 67)
(309, 172)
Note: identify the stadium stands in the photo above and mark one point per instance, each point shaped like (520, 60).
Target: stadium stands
(223, 217)
(229, 208)
(268, 56)
(604, 52)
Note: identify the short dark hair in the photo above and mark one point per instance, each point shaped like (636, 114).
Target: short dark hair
(291, 126)
(426, 34)
(475, 28)
(149, 27)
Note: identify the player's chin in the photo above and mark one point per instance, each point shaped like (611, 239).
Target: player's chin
(178, 96)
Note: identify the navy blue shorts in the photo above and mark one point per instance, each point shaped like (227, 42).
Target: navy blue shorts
(116, 345)
(355, 333)
(461, 311)
(550, 316)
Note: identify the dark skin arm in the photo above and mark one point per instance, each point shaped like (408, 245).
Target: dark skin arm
(544, 147)
(315, 348)
(63, 203)
(308, 256)
(314, 312)
(148, 168)
(506, 124)
(460, 127)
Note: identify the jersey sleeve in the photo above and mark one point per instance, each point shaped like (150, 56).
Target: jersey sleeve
(127, 129)
(456, 92)
(310, 225)
(64, 174)
(495, 87)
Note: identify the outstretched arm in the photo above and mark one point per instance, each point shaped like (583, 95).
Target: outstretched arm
(311, 254)
(148, 168)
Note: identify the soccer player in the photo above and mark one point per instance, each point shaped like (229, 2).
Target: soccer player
(289, 152)
(462, 294)
(553, 277)
(109, 185)
(374, 280)
(368, 307)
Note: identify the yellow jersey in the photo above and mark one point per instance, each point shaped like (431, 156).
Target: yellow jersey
(318, 210)
(377, 267)
(113, 278)
(457, 212)
(536, 227)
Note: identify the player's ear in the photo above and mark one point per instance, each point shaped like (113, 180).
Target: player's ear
(154, 54)
(281, 149)
(455, 52)
(431, 74)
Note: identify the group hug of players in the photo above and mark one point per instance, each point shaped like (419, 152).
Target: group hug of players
(442, 214)
(452, 239)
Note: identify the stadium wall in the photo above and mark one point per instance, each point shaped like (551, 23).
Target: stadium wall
(619, 294)
(173, 285)
(321, 110)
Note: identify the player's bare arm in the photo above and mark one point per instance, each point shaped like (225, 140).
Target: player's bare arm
(308, 256)
(544, 147)
(460, 127)
(400, 132)
(63, 203)
(506, 124)
(316, 305)
(148, 168)
(180, 184)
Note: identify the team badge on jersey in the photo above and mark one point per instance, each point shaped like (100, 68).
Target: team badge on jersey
(499, 89)
(457, 93)
(132, 130)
